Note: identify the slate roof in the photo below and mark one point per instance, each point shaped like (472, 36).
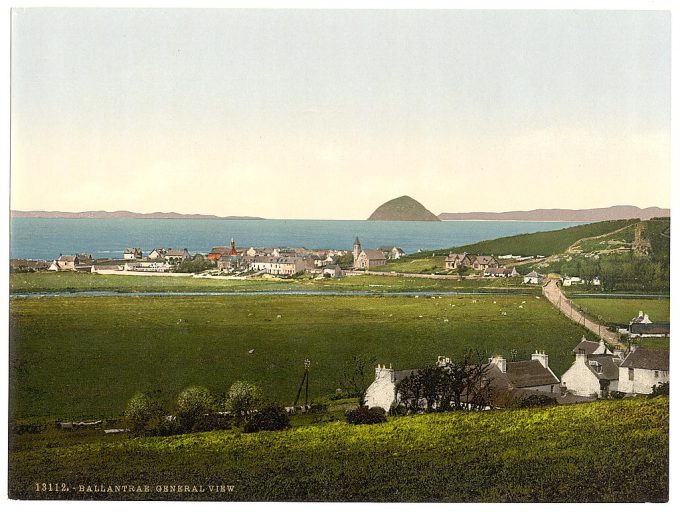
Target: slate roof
(400, 375)
(586, 347)
(459, 257)
(609, 366)
(525, 374)
(653, 328)
(176, 252)
(648, 359)
(484, 260)
(374, 254)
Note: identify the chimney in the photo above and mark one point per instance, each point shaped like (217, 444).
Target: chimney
(619, 353)
(581, 356)
(633, 347)
(382, 372)
(646, 320)
(500, 362)
(541, 357)
(442, 361)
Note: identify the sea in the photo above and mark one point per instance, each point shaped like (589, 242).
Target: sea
(46, 238)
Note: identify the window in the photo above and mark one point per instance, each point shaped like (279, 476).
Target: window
(631, 374)
(656, 374)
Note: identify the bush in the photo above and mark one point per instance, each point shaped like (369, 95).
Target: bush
(616, 395)
(269, 418)
(139, 411)
(660, 389)
(242, 398)
(192, 403)
(212, 422)
(366, 415)
(537, 401)
(164, 426)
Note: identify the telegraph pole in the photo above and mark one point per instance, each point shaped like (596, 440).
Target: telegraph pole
(305, 383)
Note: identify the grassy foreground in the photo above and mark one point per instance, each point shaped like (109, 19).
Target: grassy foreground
(85, 357)
(608, 451)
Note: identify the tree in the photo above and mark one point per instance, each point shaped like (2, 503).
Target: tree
(243, 397)
(356, 374)
(139, 411)
(193, 402)
(459, 385)
(409, 393)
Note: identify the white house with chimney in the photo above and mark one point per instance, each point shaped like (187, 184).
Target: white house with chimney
(595, 370)
(529, 376)
(642, 370)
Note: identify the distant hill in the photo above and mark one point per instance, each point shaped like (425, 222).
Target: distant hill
(403, 209)
(123, 214)
(565, 215)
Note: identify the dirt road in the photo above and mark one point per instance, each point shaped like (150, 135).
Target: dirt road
(552, 292)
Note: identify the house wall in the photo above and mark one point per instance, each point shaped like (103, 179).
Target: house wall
(642, 382)
(382, 391)
(580, 380)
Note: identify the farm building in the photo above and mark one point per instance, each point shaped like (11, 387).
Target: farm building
(533, 277)
(642, 327)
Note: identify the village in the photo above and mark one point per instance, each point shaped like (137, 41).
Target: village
(282, 262)
(597, 372)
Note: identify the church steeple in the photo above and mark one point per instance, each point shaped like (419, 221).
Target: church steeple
(233, 252)
(357, 248)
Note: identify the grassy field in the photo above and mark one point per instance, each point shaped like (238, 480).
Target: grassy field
(621, 311)
(84, 357)
(607, 451)
(70, 281)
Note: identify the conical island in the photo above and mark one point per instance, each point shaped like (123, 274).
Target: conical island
(403, 209)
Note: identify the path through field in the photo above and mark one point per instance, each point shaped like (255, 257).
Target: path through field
(552, 292)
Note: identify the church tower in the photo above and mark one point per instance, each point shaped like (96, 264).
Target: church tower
(357, 248)
(233, 251)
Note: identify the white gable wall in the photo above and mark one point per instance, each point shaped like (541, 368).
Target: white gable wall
(580, 380)
(382, 391)
(642, 382)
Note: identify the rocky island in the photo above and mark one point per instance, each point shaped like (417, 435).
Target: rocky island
(403, 208)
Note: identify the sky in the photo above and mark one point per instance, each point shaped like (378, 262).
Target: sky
(328, 114)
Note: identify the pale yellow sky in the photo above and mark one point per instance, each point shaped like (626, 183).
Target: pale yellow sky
(327, 115)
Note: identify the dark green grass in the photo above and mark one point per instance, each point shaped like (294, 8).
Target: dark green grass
(618, 311)
(85, 357)
(544, 243)
(607, 451)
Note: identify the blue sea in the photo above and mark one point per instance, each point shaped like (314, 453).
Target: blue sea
(46, 238)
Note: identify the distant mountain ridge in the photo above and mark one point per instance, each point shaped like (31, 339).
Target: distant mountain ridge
(565, 215)
(124, 214)
(403, 208)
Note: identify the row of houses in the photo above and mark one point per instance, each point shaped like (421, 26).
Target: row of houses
(595, 373)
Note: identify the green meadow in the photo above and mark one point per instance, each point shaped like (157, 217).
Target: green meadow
(620, 311)
(606, 451)
(83, 357)
(74, 282)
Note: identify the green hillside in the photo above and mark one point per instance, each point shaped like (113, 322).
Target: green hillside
(544, 243)
(606, 451)
(403, 208)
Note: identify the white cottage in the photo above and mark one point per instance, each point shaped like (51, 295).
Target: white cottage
(642, 369)
(523, 377)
